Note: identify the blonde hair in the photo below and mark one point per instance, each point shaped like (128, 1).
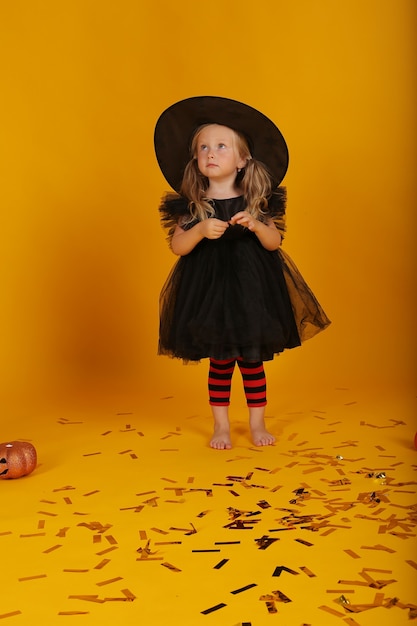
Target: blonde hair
(254, 180)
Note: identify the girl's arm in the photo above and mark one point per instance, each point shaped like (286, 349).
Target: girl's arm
(267, 233)
(184, 241)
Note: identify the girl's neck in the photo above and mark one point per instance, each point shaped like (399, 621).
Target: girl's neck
(222, 192)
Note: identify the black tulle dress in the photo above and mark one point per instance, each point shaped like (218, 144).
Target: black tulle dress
(230, 297)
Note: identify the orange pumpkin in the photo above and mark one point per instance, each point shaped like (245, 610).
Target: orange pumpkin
(17, 458)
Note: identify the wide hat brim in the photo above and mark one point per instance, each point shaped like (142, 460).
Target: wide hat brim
(176, 126)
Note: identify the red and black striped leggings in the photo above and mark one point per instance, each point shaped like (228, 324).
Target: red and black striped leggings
(220, 381)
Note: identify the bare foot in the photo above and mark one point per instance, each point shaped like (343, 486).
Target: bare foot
(221, 434)
(221, 438)
(260, 436)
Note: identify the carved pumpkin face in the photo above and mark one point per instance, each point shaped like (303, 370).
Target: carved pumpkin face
(17, 458)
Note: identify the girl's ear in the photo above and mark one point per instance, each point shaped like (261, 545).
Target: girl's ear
(243, 163)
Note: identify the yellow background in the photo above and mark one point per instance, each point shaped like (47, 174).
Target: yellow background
(122, 434)
(83, 256)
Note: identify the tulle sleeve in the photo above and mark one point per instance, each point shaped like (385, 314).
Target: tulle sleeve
(276, 209)
(173, 210)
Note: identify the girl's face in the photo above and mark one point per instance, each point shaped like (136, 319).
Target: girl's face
(217, 154)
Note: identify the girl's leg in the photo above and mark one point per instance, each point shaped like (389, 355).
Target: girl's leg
(254, 382)
(219, 384)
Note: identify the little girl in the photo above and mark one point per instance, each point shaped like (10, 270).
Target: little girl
(233, 296)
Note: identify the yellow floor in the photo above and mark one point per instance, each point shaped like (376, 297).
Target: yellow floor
(130, 516)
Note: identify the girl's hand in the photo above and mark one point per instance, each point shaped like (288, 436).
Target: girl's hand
(267, 233)
(245, 219)
(213, 228)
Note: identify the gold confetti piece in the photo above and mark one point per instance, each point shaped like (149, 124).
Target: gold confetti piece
(339, 591)
(304, 542)
(97, 526)
(308, 572)
(11, 614)
(350, 622)
(158, 530)
(359, 583)
(68, 487)
(250, 586)
(91, 493)
(352, 554)
(106, 550)
(190, 479)
(214, 608)
(75, 571)
(91, 453)
(102, 564)
(169, 480)
(106, 433)
(152, 501)
(129, 595)
(47, 513)
(377, 571)
(145, 493)
(328, 609)
(271, 607)
(6, 532)
(125, 451)
(378, 547)
(26, 578)
(67, 500)
(109, 581)
(169, 450)
(87, 598)
(171, 567)
(111, 539)
(97, 538)
(276, 488)
(73, 613)
(48, 550)
(63, 531)
(412, 563)
(41, 524)
(33, 535)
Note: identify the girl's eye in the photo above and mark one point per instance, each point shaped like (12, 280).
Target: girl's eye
(203, 147)
(222, 145)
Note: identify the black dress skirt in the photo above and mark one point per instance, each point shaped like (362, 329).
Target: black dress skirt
(230, 298)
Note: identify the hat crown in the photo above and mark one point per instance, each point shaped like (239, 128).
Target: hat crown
(176, 126)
